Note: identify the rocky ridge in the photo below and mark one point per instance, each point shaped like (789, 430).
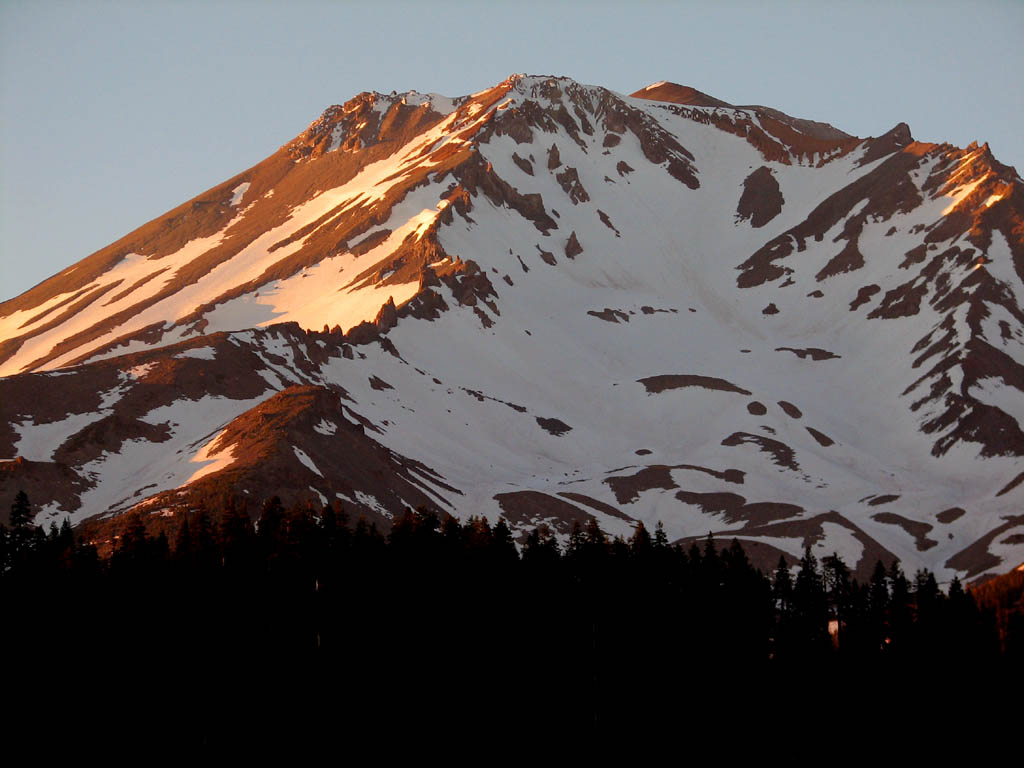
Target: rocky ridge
(550, 302)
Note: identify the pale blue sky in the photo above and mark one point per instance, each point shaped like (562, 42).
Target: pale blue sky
(111, 113)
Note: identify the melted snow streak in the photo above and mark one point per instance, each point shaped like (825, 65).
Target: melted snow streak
(609, 307)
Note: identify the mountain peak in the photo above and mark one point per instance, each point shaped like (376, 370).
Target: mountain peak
(678, 94)
(549, 303)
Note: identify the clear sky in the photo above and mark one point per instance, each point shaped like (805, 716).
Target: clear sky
(111, 113)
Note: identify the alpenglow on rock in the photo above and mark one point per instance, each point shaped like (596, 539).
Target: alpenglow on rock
(550, 302)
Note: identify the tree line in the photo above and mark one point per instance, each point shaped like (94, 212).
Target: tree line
(583, 627)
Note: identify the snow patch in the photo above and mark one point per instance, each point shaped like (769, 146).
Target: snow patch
(140, 371)
(326, 427)
(306, 461)
(371, 501)
(198, 353)
(214, 460)
(238, 193)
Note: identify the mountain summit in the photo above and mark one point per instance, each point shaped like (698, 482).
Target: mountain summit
(550, 302)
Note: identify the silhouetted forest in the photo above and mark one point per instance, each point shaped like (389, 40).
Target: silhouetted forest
(585, 633)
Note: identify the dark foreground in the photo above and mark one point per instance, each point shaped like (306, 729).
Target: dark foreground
(310, 626)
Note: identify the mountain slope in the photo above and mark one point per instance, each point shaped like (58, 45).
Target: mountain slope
(549, 301)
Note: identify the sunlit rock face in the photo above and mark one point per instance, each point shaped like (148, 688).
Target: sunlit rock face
(550, 302)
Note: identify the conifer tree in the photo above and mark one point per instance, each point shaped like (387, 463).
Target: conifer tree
(838, 590)
(502, 546)
(640, 545)
(782, 589)
(21, 537)
(900, 613)
(21, 511)
(235, 533)
(574, 548)
(183, 541)
(810, 606)
(878, 604)
(541, 547)
(660, 538)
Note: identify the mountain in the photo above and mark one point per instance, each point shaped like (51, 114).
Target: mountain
(551, 302)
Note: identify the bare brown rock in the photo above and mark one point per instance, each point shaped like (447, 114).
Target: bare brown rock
(864, 295)
(475, 175)
(610, 315)
(525, 165)
(556, 427)
(547, 257)
(655, 384)
(812, 352)
(888, 190)
(761, 200)
(569, 180)
(1011, 485)
(782, 455)
(608, 222)
(776, 135)
(526, 510)
(810, 531)
(886, 144)
(791, 410)
(947, 516)
(915, 528)
(976, 558)
(627, 488)
(554, 161)
(595, 504)
(734, 508)
(573, 247)
(823, 440)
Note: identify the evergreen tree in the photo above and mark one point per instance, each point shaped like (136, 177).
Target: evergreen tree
(575, 547)
(660, 539)
(640, 545)
(900, 612)
(21, 539)
(876, 621)
(502, 546)
(710, 566)
(451, 536)
(595, 541)
(204, 543)
(131, 551)
(236, 534)
(838, 591)
(21, 511)
(541, 547)
(271, 529)
(782, 589)
(810, 607)
(183, 541)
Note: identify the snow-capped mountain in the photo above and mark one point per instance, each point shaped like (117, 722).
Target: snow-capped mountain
(548, 302)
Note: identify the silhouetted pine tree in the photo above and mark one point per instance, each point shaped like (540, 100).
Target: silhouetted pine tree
(839, 593)
(901, 616)
(810, 609)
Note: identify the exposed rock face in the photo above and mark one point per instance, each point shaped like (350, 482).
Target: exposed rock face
(573, 247)
(676, 381)
(503, 281)
(762, 199)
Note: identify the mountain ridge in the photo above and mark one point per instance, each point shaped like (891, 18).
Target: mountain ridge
(496, 280)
